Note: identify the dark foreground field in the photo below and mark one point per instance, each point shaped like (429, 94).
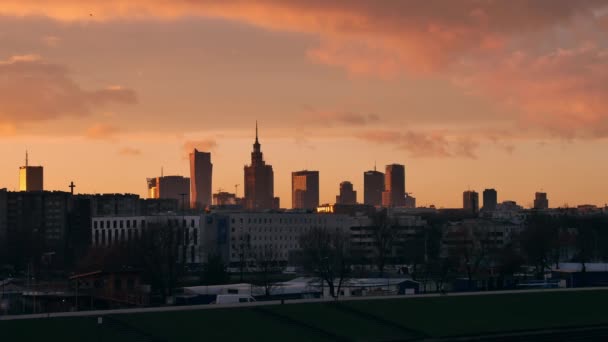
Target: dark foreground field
(374, 320)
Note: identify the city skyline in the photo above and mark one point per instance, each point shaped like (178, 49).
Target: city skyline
(467, 96)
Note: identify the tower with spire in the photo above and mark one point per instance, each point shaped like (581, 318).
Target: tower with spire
(31, 178)
(259, 180)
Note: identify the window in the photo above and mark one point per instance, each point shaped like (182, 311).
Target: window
(118, 284)
(121, 224)
(95, 224)
(101, 224)
(97, 237)
(128, 224)
(143, 223)
(130, 234)
(113, 224)
(109, 236)
(134, 223)
(192, 223)
(243, 300)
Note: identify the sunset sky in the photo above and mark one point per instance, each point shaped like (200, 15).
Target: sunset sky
(468, 94)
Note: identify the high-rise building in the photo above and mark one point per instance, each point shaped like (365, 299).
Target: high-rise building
(170, 187)
(541, 201)
(30, 177)
(490, 199)
(410, 202)
(259, 181)
(470, 201)
(394, 186)
(347, 194)
(201, 171)
(305, 189)
(373, 186)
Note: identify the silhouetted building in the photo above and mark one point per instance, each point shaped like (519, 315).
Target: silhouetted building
(541, 201)
(201, 171)
(394, 186)
(3, 223)
(373, 186)
(470, 201)
(410, 202)
(225, 198)
(304, 189)
(490, 199)
(31, 177)
(347, 194)
(259, 181)
(174, 187)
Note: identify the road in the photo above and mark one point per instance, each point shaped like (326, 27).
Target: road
(266, 303)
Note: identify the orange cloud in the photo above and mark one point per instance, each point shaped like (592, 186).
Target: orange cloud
(33, 90)
(101, 131)
(422, 144)
(129, 151)
(330, 118)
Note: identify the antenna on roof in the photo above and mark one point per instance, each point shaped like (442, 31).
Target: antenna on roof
(26, 158)
(161, 172)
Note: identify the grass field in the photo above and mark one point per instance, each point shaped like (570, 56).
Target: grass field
(374, 320)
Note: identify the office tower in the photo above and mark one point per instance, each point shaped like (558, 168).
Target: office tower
(170, 187)
(541, 201)
(347, 194)
(470, 201)
(305, 189)
(259, 181)
(490, 199)
(373, 186)
(30, 177)
(201, 171)
(394, 186)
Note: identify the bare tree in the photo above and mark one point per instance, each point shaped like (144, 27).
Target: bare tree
(384, 232)
(267, 262)
(326, 254)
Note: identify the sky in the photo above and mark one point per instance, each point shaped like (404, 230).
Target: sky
(467, 94)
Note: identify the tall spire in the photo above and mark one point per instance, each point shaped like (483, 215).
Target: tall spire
(26, 158)
(256, 132)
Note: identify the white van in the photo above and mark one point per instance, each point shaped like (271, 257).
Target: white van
(233, 299)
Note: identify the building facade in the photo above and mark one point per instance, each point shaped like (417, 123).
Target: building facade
(201, 172)
(110, 231)
(259, 181)
(394, 185)
(305, 189)
(347, 194)
(373, 187)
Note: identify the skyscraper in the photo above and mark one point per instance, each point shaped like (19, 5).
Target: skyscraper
(470, 201)
(259, 181)
(30, 177)
(170, 187)
(541, 201)
(347, 194)
(490, 199)
(394, 185)
(373, 186)
(201, 171)
(305, 189)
